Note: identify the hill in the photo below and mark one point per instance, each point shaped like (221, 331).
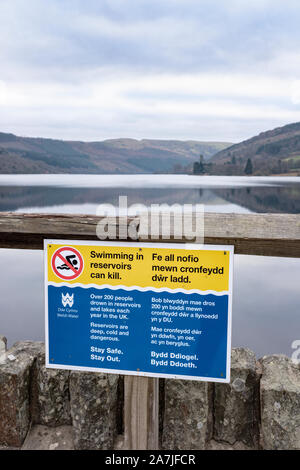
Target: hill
(123, 156)
(272, 152)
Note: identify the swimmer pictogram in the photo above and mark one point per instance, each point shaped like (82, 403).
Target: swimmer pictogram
(67, 263)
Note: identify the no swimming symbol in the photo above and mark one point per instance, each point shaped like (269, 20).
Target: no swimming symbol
(67, 263)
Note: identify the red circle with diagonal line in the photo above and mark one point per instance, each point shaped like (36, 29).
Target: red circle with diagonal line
(67, 263)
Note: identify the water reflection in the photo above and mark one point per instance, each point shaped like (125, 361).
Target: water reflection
(85, 201)
(283, 198)
(280, 199)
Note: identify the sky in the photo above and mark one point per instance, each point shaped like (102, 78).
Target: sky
(209, 70)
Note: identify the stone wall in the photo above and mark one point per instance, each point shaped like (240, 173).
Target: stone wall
(259, 409)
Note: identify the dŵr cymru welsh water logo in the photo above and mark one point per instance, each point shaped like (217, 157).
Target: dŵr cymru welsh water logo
(67, 299)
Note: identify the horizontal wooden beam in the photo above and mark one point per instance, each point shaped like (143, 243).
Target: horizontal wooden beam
(252, 234)
(256, 234)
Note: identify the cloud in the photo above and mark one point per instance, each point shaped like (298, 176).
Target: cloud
(173, 67)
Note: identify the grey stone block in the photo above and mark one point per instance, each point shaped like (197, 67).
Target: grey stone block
(48, 438)
(50, 403)
(215, 445)
(15, 373)
(236, 405)
(94, 404)
(280, 403)
(188, 415)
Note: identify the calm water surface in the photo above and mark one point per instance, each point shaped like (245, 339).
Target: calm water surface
(266, 295)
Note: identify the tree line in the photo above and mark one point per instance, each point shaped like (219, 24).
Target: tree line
(201, 167)
(237, 166)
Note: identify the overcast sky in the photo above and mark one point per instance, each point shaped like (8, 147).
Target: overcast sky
(165, 69)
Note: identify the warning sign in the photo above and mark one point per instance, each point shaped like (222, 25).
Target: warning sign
(152, 309)
(67, 263)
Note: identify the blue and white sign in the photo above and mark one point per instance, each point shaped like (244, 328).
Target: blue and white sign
(157, 310)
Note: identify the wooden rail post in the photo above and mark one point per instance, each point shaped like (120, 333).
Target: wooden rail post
(141, 413)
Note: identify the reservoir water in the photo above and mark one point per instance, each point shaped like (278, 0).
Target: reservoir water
(266, 295)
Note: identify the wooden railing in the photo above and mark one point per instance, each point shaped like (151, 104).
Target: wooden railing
(251, 234)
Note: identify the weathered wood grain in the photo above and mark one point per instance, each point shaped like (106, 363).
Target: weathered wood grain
(253, 234)
(141, 403)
